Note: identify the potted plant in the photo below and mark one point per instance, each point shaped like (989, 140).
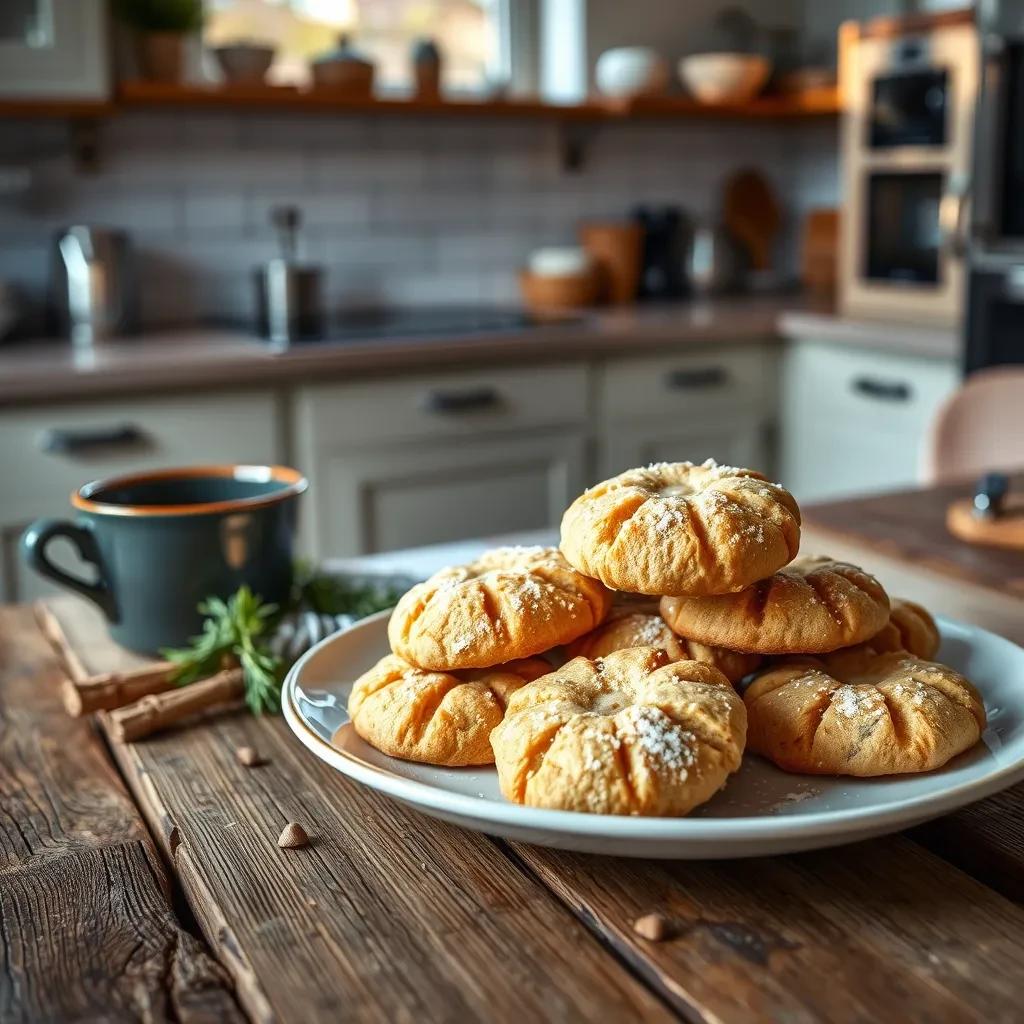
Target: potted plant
(161, 27)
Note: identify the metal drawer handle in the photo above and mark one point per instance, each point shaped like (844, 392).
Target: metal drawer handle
(471, 400)
(63, 441)
(703, 377)
(885, 391)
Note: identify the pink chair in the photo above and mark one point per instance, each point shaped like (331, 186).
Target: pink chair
(979, 428)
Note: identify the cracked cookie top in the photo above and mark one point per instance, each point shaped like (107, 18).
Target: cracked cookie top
(895, 713)
(628, 627)
(812, 606)
(441, 718)
(631, 733)
(679, 528)
(510, 603)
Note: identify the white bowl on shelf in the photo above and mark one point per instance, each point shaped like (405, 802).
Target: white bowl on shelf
(628, 71)
(724, 77)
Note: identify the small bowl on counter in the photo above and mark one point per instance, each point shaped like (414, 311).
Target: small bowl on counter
(718, 78)
(559, 279)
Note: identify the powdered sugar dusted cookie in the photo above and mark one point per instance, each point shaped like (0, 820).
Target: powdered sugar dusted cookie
(626, 627)
(436, 717)
(894, 714)
(676, 528)
(632, 733)
(510, 603)
(812, 606)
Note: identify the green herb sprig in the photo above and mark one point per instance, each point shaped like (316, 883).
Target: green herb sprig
(231, 635)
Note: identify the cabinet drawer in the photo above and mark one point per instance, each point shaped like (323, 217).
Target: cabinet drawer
(883, 391)
(695, 383)
(441, 405)
(45, 453)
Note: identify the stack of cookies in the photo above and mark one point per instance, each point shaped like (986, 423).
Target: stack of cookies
(603, 675)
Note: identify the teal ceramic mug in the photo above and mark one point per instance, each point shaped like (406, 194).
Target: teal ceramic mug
(163, 541)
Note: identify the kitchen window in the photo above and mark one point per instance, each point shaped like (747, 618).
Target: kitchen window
(475, 36)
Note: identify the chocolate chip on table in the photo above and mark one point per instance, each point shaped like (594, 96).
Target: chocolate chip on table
(653, 927)
(292, 836)
(249, 756)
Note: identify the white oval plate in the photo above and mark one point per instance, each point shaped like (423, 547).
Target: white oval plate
(761, 811)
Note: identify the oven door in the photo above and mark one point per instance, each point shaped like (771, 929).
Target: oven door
(995, 318)
(909, 108)
(902, 237)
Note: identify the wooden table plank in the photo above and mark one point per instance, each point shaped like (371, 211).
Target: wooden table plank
(387, 915)
(910, 526)
(876, 931)
(86, 927)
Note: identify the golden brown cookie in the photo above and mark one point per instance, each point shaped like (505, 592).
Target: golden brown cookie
(436, 717)
(910, 628)
(896, 714)
(677, 528)
(624, 629)
(812, 606)
(510, 603)
(632, 733)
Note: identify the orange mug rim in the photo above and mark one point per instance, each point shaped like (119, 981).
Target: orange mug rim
(294, 484)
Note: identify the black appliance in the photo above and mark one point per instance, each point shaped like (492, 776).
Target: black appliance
(997, 222)
(995, 316)
(995, 306)
(665, 238)
(909, 106)
(902, 242)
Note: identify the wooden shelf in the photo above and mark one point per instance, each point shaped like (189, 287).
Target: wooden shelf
(56, 108)
(155, 96)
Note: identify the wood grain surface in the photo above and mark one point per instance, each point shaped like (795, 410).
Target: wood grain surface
(387, 914)
(910, 526)
(86, 926)
(882, 930)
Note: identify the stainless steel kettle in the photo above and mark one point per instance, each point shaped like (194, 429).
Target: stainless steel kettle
(93, 285)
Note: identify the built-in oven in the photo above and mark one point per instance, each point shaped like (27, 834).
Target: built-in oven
(909, 87)
(995, 319)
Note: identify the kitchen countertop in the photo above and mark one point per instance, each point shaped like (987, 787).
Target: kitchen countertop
(216, 358)
(908, 339)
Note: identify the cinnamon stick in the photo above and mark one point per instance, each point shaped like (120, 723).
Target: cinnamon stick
(157, 711)
(115, 689)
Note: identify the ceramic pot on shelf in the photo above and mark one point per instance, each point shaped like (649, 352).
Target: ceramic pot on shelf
(344, 70)
(161, 56)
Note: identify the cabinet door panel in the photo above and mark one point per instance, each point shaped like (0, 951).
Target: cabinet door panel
(389, 498)
(739, 443)
(853, 421)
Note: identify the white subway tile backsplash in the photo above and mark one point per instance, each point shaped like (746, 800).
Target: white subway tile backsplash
(213, 212)
(397, 209)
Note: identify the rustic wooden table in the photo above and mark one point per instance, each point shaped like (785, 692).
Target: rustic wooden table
(143, 882)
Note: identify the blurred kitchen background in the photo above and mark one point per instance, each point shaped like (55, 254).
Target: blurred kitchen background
(456, 259)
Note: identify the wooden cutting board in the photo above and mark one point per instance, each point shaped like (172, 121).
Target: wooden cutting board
(752, 214)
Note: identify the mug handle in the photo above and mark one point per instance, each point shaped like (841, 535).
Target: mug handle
(34, 542)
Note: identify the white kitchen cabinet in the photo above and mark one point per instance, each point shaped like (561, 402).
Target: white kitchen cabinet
(853, 420)
(431, 458)
(384, 498)
(47, 452)
(711, 403)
